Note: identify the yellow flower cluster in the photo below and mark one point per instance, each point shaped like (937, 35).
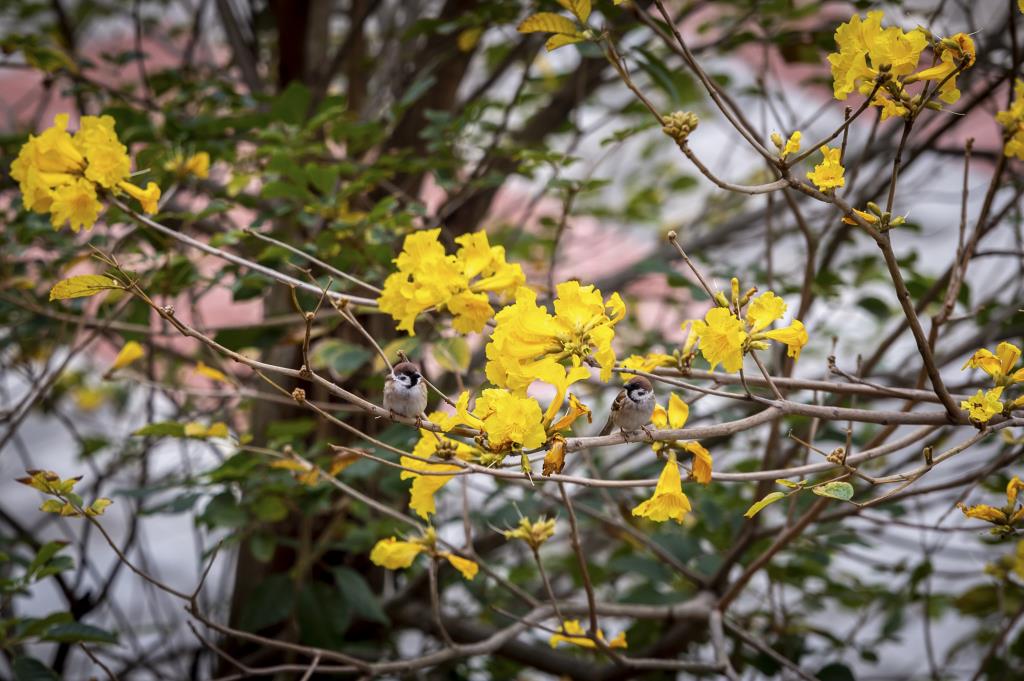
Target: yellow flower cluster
(724, 337)
(869, 53)
(1012, 121)
(427, 277)
(829, 174)
(427, 483)
(534, 533)
(790, 146)
(528, 340)
(64, 175)
(999, 365)
(1004, 519)
(394, 554)
(510, 422)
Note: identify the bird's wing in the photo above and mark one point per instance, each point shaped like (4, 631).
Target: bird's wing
(620, 400)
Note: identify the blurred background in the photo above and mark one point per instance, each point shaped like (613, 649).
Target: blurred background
(337, 127)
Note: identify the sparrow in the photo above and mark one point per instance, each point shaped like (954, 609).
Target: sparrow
(632, 408)
(405, 391)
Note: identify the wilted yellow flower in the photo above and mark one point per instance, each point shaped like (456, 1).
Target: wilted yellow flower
(989, 514)
(576, 410)
(554, 460)
(1004, 518)
(870, 218)
(427, 278)
(534, 533)
(572, 632)
(829, 173)
(668, 500)
(722, 338)
(984, 405)
(1012, 121)
(999, 365)
(527, 337)
(701, 461)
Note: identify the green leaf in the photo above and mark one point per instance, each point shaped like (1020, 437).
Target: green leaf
(162, 429)
(36, 627)
(269, 604)
(835, 672)
(270, 509)
(358, 595)
(262, 547)
(340, 357)
(547, 22)
(789, 483)
(74, 632)
(767, 500)
(82, 286)
(291, 105)
(875, 306)
(452, 354)
(31, 669)
(323, 615)
(223, 511)
(285, 190)
(835, 490)
(46, 552)
(408, 345)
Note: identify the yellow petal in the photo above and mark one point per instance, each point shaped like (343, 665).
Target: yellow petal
(984, 512)
(130, 351)
(467, 567)
(213, 374)
(668, 500)
(701, 462)
(393, 554)
(678, 411)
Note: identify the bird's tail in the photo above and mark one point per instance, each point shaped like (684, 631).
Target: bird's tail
(607, 427)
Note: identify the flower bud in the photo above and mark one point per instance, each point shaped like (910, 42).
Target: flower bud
(679, 124)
